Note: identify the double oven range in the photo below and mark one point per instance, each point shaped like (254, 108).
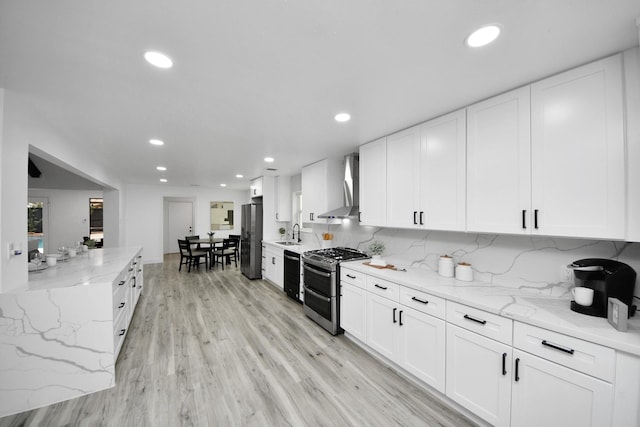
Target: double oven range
(322, 284)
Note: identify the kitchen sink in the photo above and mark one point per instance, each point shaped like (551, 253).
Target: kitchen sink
(288, 243)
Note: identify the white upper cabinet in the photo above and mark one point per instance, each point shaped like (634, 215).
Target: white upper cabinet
(373, 183)
(578, 148)
(403, 177)
(321, 189)
(426, 175)
(499, 164)
(256, 187)
(442, 172)
(283, 198)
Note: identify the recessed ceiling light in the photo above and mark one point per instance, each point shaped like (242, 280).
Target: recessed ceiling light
(161, 168)
(156, 142)
(163, 179)
(158, 59)
(269, 159)
(223, 185)
(483, 36)
(239, 176)
(342, 117)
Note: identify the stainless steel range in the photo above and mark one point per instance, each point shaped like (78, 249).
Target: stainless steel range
(322, 284)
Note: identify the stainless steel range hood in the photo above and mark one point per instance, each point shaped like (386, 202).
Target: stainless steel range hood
(350, 188)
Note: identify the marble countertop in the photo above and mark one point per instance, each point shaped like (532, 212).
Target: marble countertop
(546, 307)
(299, 248)
(92, 267)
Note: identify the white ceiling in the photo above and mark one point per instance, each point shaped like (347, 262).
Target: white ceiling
(254, 78)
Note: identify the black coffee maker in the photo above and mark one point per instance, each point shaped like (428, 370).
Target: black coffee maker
(608, 279)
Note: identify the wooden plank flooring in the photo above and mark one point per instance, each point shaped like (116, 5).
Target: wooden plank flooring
(216, 349)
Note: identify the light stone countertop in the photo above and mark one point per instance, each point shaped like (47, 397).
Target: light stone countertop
(300, 248)
(89, 268)
(544, 307)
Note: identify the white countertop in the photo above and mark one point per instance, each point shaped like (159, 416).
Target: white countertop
(546, 308)
(299, 248)
(92, 267)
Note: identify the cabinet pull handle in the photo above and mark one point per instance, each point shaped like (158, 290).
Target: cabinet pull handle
(415, 221)
(517, 377)
(535, 219)
(121, 283)
(524, 219)
(122, 331)
(359, 216)
(421, 215)
(276, 215)
(273, 260)
(131, 269)
(504, 363)
(384, 288)
(419, 300)
(394, 315)
(350, 276)
(311, 216)
(121, 305)
(401, 317)
(482, 322)
(557, 347)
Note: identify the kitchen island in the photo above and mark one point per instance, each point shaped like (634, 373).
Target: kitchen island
(60, 333)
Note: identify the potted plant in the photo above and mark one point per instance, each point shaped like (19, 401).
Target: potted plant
(376, 249)
(282, 232)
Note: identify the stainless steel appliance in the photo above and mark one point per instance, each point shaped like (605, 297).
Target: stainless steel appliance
(608, 279)
(251, 241)
(350, 188)
(322, 284)
(292, 274)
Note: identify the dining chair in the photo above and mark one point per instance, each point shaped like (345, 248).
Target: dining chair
(235, 238)
(188, 238)
(222, 254)
(191, 257)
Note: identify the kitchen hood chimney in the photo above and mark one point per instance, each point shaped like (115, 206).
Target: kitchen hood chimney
(350, 188)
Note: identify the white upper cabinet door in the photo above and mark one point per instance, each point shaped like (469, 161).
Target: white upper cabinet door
(373, 183)
(499, 164)
(578, 176)
(403, 178)
(442, 173)
(283, 198)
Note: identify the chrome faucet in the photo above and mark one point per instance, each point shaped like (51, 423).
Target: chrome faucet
(293, 232)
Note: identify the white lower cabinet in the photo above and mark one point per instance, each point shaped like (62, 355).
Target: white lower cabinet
(273, 265)
(506, 372)
(477, 374)
(547, 394)
(414, 340)
(353, 310)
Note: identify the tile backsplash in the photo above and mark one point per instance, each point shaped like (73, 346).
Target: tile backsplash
(531, 262)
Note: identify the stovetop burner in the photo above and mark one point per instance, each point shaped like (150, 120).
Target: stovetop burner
(334, 255)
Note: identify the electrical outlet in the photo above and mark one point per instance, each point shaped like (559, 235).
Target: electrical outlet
(566, 274)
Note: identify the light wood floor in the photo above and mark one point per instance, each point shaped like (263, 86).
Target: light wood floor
(216, 349)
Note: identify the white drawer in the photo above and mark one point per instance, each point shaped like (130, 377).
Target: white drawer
(383, 288)
(488, 324)
(353, 277)
(121, 301)
(423, 302)
(583, 356)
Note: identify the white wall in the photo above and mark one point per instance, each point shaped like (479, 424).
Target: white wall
(22, 127)
(68, 215)
(144, 214)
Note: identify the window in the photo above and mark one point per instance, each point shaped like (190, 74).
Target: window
(96, 231)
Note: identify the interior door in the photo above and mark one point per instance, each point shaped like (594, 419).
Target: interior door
(180, 221)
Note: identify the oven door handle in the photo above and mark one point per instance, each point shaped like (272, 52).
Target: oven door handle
(315, 270)
(292, 258)
(315, 294)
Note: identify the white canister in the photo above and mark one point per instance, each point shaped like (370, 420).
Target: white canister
(464, 272)
(52, 260)
(445, 266)
(72, 253)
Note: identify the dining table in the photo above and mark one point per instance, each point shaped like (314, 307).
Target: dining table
(211, 245)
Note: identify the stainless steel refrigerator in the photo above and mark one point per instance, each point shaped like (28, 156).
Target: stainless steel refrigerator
(251, 241)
